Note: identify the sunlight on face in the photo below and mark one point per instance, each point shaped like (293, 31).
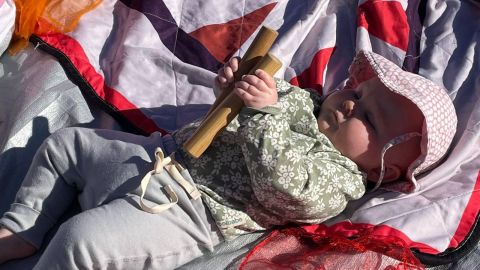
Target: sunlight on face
(359, 122)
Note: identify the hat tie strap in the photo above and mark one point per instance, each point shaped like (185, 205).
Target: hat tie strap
(390, 144)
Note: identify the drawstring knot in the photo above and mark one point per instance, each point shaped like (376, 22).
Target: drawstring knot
(173, 168)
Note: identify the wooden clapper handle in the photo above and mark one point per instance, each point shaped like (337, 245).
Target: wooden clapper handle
(224, 113)
(216, 120)
(259, 47)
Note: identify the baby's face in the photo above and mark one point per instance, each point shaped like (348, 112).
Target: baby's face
(359, 122)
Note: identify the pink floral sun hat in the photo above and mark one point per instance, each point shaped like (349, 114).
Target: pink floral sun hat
(440, 121)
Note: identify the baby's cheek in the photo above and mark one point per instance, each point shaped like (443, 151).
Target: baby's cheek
(353, 140)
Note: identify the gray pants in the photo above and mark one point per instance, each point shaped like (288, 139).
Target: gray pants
(103, 169)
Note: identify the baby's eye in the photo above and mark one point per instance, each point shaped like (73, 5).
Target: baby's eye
(369, 120)
(356, 95)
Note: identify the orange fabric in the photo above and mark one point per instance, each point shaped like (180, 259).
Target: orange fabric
(43, 16)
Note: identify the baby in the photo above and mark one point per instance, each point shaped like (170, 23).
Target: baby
(289, 157)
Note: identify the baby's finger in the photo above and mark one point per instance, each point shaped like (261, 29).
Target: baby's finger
(233, 63)
(241, 84)
(256, 82)
(252, 90)
(221, 76)
(251, 79)
(227, 70)
(244, 95)
(266, 78)
(220, 79)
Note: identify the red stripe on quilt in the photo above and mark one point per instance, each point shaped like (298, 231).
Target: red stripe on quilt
(223, 40)
(75, 53)
(469, 215)
(312, 77)
(385, 20)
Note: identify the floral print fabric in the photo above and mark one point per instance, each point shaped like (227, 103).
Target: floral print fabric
(272, 167)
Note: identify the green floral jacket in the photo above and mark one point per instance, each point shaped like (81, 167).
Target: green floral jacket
(272, 167)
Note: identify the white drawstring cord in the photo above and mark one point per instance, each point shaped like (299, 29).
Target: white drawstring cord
(172, 167)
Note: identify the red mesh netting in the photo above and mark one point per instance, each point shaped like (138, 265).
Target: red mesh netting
(319, 248)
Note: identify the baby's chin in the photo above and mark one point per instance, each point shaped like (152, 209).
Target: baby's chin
(324, 126)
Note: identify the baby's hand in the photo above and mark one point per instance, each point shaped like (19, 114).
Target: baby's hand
(257, 91)
(225, 74)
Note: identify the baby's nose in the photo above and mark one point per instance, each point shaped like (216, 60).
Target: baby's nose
(348, 106)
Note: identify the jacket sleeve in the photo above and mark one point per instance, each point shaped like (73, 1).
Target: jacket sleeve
(296, 175)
